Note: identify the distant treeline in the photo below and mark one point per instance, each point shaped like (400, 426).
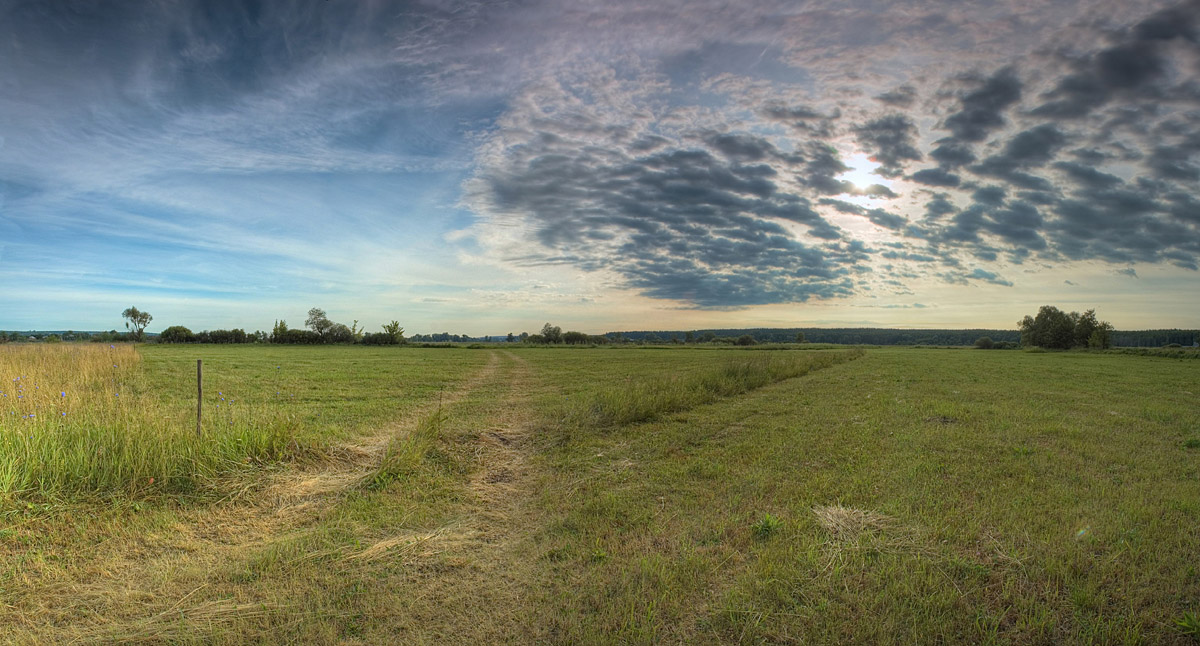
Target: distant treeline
(1155, 338)
(845, 336)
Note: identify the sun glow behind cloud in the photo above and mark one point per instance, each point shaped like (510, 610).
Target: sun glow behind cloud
(863, 176)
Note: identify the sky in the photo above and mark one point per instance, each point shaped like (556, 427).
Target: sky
(486, 167)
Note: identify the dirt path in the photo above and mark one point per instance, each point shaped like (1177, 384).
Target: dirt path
(483, 596)
(150, 587)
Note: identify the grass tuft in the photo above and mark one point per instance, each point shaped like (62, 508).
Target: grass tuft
(406, 452)
(646, 399)
(766, 527)
(1189, 624)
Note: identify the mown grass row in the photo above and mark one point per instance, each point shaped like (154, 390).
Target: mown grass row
(83, 421)
(646, 398)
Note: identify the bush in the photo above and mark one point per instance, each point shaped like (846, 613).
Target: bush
(745, 339)
(236, 335)
(177, 334)
(296, 337)
(338, 333)
(379, 338)
(575, 338)
(985, 343)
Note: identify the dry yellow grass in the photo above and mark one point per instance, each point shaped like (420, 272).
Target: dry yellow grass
(82, 421)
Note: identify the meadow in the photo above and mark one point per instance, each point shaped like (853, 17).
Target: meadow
(608, 495)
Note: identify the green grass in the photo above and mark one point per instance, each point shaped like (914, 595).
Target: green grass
(1008, 497)
(661, 496)
(637, 400)
(85, 421)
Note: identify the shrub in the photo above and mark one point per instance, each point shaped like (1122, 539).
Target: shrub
(176, 334)
(296, 337)
(985, 343)
(236, 335)
(575, 338)
(745, 339)
(379, 338)
(338, 333)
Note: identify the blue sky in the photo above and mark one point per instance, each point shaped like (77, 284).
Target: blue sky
(484, 167)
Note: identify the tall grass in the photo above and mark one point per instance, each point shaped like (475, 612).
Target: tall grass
(644, 399)
(83, 420)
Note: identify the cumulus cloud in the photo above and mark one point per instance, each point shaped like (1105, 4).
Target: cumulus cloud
(693, 152)
(706, 218)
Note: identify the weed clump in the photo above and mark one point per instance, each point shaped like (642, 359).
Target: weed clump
(1189, 624)
(766, 527)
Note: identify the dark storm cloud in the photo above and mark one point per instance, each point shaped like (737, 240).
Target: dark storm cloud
(1028, 149)
(990, 277)
(939, 206)
(890, 140)
(1019, 224)
(886, 220)
(802, 119)
(710, 226)
(1087, 176)
(952, 154)
(1173, 162)
(982, 109)
(715, 215)
(1130, 68)
(990, 195)
(903, 96)
(935, 177)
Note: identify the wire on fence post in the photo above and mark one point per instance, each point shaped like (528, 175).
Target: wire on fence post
(199, 393)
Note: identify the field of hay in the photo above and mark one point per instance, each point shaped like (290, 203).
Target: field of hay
(609, 495)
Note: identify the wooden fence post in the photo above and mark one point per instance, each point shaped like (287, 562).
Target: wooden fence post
(199, 393)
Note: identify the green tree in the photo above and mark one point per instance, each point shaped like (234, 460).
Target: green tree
(1101, 337)
(279, 333)
(1085, 325)
(136, 321)
(1055, 329)
(745, 339)
(552, 333)
(318, 322)
(575, 338)
(176, 334)
(394, 330)
(985, 343)
(800, 337)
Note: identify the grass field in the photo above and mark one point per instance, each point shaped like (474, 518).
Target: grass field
(595, 496)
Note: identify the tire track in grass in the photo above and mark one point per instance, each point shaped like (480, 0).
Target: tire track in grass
(471, 578)
(134, 595)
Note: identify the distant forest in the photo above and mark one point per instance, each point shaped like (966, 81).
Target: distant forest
(851, 336)
(887, 336)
